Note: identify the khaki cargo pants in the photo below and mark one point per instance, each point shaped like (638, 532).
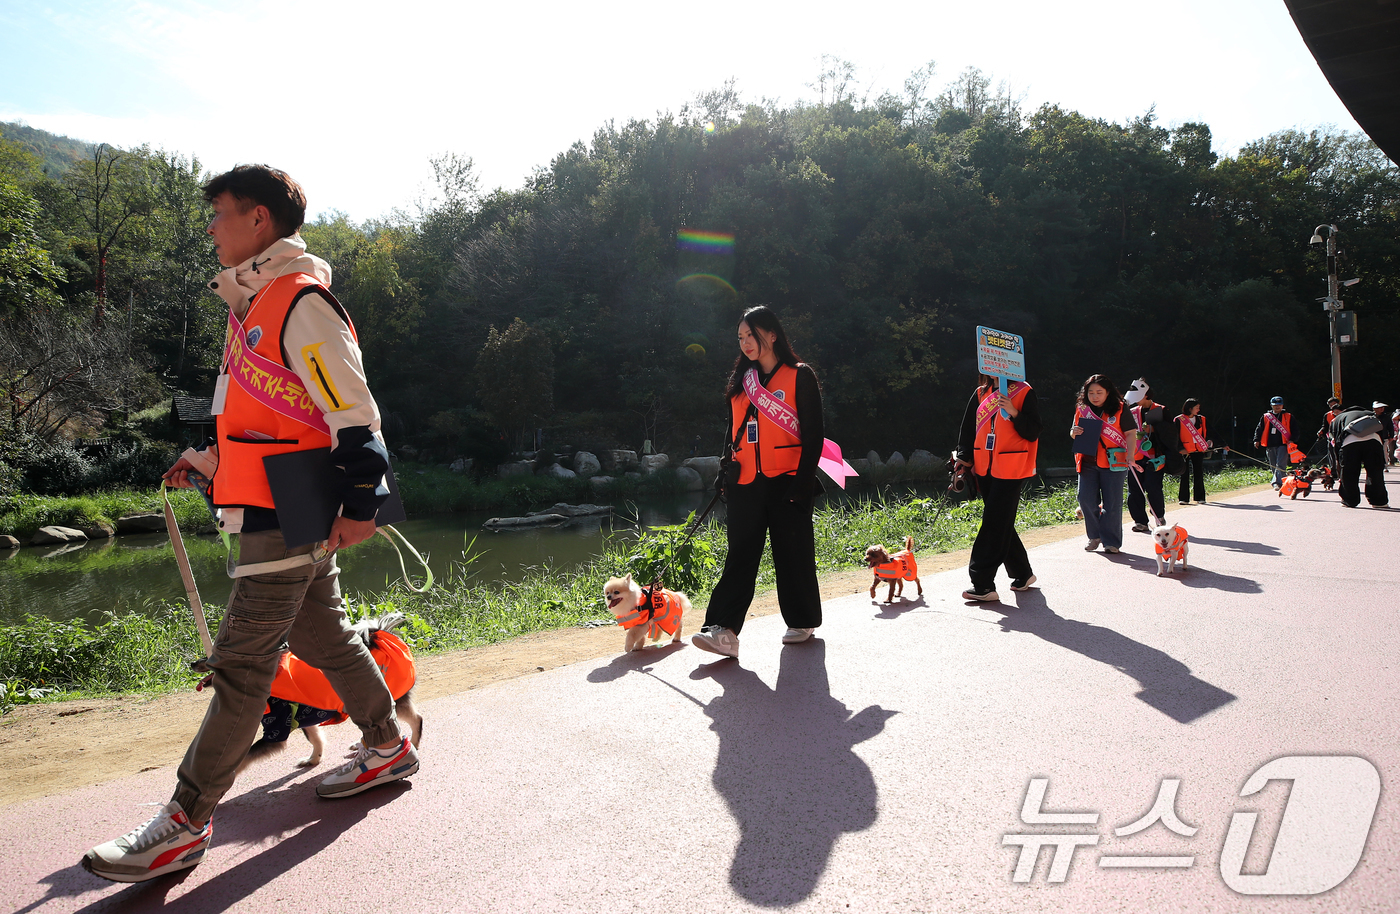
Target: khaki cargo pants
(298, 608)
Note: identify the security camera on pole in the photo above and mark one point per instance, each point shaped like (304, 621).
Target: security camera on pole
(1332, 304)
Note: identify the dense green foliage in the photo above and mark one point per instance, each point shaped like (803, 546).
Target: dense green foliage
(881, 230)
(130, 652)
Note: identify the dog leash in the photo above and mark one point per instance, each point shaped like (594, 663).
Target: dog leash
(235, 570)
(660, 575)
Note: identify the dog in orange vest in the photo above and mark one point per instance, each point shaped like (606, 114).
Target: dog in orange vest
(645, 615)
(1171, 548)
(896, 569)
(302, 698)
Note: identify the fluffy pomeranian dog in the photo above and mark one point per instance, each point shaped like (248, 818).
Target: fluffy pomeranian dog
(1171, 546)
(302, 698)
(896, 569)
(646, 614)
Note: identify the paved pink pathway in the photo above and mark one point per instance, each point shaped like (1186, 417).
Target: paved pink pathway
(874, 769)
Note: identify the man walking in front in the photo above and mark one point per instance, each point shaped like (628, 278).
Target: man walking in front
(291, 380)
(1273, 433)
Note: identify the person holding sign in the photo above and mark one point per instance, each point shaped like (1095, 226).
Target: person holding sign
(1192, 446)
(776, 440)
(292, 380)
(1104, 434)
(1145, 476)
(998, 440)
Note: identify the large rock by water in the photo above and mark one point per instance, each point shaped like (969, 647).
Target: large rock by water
(461, 465)
(8, 542)
(653, 462)
(564, 509)
(922, 465)
(586, 464)
(690, 479)
(707, 467)
(141, 523)
(555, 471)
(518, 468)
(599, 482)
(98, 531)
(619, 460)
(534, 520)
(48, 536)
(896, 463)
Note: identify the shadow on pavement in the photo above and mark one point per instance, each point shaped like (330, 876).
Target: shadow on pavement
(899, 607)
(1167, 683)
(1237, 507)
(1192, 576)
(248, 820)
(623, 664)
(787, 771)
(1239, 546)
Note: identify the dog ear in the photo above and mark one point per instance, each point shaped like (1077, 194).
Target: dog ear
(628, 579)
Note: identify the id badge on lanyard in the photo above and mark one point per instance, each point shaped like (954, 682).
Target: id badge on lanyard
(991, 441)
(220, 395)
(751, 433)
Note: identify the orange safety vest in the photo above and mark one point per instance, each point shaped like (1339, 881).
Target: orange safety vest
(1115, 419)
(301, 683)
(1177, 549)
(900, 565)
(1188, 443)
(249, 430)
(1011, 456)
(777, 451)
(662, 611)
(1285, 419)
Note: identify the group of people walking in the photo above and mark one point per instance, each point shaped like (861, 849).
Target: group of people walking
(288, 595)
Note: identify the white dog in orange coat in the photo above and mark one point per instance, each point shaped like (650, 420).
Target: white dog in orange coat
(1171, 548)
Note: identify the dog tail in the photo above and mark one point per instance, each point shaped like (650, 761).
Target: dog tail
(261, 750)
(909, 543)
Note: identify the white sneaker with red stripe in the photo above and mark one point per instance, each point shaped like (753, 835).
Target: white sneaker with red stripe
(369, 768)
(164, 844)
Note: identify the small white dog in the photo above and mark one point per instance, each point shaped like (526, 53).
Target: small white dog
(1171, 548)
(642, 618)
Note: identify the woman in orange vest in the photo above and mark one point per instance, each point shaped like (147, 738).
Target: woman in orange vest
(1193, 447)
(1103, 469)
(1001, 450)
(770, 478)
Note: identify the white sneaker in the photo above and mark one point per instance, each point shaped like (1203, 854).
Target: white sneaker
(717, 640)
(164, 844)
(1092, 545)
(369, 768)
(797, 635)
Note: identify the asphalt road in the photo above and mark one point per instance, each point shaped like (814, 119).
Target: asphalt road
(879, 767)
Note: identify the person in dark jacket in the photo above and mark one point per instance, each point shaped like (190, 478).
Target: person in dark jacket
(770, 496)
(1155, 442)
(1356, 435)
(1002, 453)
(1192, 446)
(1273, 434)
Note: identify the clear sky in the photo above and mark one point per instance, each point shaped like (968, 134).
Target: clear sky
(353, 98)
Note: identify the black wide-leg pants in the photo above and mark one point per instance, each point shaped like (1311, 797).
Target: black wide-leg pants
(997, 543)
(757, 512)
(1371, 455)
(1192, 470)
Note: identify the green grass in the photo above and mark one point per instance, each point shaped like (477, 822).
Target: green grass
(45, 660)
(21, 515)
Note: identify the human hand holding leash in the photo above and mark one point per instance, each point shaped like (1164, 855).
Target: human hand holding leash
(177, 477)
(347, 532)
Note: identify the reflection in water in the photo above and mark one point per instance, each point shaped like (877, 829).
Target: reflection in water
(788, 773)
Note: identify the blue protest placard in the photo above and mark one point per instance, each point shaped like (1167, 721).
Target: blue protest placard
(1001, 355)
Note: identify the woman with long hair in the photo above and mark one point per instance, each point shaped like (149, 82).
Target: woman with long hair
(1193, 446)
(1103, 465)
(770, 478)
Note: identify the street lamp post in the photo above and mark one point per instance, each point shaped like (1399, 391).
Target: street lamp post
(1332, 303)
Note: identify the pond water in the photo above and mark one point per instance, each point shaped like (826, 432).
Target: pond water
(127, 573)
(131, 573)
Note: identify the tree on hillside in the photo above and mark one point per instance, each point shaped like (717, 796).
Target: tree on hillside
(515, 378)
(28, 274)
(111, 193)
